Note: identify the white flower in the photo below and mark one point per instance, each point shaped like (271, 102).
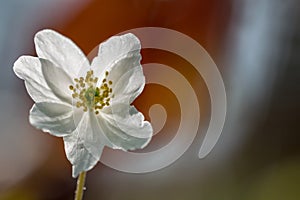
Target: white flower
(86, 104)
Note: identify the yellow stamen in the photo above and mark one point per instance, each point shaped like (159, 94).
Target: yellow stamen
(90, 97)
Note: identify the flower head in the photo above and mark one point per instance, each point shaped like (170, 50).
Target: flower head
(89, 105)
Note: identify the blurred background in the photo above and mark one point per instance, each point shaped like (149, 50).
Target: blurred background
(256, 46)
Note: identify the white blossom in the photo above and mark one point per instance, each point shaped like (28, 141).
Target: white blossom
(89, 105)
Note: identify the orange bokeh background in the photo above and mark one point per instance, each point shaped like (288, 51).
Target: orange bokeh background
(258, 161)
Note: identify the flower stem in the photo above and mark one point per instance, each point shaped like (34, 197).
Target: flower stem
(80, 186)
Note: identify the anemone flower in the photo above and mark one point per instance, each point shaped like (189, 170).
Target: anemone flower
(87, 104)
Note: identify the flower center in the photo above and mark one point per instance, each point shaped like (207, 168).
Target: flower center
(88, 96)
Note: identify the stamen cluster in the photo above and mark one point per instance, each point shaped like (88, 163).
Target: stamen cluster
(88, 96)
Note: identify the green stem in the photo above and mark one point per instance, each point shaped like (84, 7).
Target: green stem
(80, 186)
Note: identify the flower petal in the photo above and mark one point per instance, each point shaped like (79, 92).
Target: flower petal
(55, 118)
(58, 80)
(128, 79)
(95, 138)
(84, 147)
(29, 69)
(125, 127)
(114, 49)
(80, 158)
(61, 51)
